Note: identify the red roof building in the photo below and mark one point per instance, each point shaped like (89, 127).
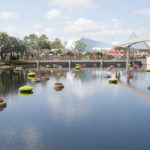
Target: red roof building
(113, 52)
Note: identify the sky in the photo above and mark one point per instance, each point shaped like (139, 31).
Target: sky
(102, 20)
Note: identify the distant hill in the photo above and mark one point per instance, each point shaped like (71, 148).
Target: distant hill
(92, 44)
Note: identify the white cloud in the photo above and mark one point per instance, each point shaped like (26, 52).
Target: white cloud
(72, 4)
(73, 110)
(116, 23)
(145, 12)
(83, 25)
(50, 32)
(115, 43)
(54, 13)
(15, 31)
(9, 15)
(70, 44)
(36, 27)
(100, 30)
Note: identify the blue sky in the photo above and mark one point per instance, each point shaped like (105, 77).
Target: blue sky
(103, 20)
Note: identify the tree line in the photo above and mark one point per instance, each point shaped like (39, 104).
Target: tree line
(34, 42)
(15, 47)
(10, 46)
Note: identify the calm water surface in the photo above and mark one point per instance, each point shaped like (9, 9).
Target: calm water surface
(88, 114)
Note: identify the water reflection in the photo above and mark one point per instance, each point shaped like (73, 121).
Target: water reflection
(10, 81)
(26, 94)
(3, 106)
(88, 113)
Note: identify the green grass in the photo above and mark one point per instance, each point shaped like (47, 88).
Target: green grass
(15, 62)
(18, 62)
(2, 63)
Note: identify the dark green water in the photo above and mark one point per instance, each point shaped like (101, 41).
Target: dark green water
(88, 114)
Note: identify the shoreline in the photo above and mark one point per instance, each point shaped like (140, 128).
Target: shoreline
(6, 67)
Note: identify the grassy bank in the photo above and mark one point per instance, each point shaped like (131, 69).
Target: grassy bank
(12, 62)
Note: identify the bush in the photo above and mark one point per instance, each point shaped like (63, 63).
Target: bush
(89, 53)
(19, 62)
(110, 56)
(70, 54)
(7, 62)
(14, 58)
(99, 54)
(4, 62)
(15, 62)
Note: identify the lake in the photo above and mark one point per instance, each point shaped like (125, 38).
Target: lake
(88, 114)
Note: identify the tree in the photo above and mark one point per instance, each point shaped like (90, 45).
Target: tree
(70, 54)
(58, 52)
(89, 53)
(31, 41)
(43, 42)
(43, 37)
(56, 44)
(21, 47)
(80, 46)
(11, 45)
(3, 43)
(99, 54)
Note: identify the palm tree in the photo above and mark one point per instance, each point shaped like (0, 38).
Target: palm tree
(3, 43)
(11, 45)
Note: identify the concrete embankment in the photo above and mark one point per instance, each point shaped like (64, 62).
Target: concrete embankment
(72, 63)
(87, 63)
(6, 67)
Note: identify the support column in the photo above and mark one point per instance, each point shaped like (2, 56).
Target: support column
(38, 64)
(69, 64)
(133, 56)
(101, 63)
(116, 53)
(128, 56)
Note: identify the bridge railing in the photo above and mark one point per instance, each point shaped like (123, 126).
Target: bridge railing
(85, 58)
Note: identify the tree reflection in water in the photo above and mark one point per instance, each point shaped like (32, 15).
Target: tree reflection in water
(10, 81)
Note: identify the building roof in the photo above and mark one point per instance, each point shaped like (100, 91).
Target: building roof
(93, 44)
(141, 46)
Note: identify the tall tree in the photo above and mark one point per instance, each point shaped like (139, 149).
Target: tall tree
(31, 41)
(80, 46)
(3, 43)
(56, 44)
(10, 45)
(43, 42)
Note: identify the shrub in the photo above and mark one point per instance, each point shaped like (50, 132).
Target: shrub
(4, 62)
(19, 62)
(14, 58)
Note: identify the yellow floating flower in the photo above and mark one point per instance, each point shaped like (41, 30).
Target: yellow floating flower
(31, 74)
(26, 94)
(48, 66)
(147, 70)
(16, 70)
(26, 88)
(113, 81)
